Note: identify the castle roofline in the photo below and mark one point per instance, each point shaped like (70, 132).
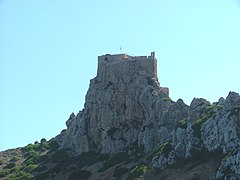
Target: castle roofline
(125, 56)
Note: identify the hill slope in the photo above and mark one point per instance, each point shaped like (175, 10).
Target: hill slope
(130, 128)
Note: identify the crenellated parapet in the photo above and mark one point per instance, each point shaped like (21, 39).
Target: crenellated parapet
(123, 63)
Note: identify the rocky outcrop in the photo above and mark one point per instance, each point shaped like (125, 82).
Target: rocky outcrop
(125, 105)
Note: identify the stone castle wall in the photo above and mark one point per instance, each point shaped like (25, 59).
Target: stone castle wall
(125, 64)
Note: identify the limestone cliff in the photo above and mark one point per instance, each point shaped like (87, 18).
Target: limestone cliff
(126, 106)
(130, 128)
(123, 105)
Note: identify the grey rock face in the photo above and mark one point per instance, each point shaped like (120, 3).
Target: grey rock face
(230, 165)
(125, 105)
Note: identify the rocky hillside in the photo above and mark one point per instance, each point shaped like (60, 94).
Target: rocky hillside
(130, 128)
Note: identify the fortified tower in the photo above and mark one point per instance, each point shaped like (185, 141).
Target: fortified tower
(111, 68)
(125, 64)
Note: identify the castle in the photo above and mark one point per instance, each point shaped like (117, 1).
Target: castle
(122, 64)
(145, 65)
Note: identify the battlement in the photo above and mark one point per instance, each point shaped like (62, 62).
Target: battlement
(114, 57)
(125, 64)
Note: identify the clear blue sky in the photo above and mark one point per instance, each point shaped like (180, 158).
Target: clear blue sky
(49, 49)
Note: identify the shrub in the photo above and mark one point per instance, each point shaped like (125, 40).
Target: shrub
(30, 168)
(42, 176)
(43, 140)
(53, 145)
(33, 158)
(114, 160)
(40, 169)
(168, 99)
(24, 175)
(31, 147)
(1, 161)
(79, 174)
(60, 155)
(15, 158)
(9, 166)
(210, 112)
(137, 171)
(182, 123)
(235, 111)
(63, 131)
(197, 125)
(163, 149)
(119, 171)
(84, 159)
(4, 173)
(43, 158)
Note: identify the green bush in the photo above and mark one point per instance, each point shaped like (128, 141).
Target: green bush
(4, 173)
(31, 148)
(40, 169)
(42, 176)
(60, 155)
(168, 99)
(53, 145)
(114, 160)
(212, 108)
(196, 126)
(15, 169)
(235, 111)
(10, 165)
(30, 168)
(33, 158)
(1, 161)
(137, 171)
(43, 140)
(15, 158)
(163, 149)
(43, 158)
(182, 123)
(119, 171)
(24, 175)
(210, 112)
(79, 174)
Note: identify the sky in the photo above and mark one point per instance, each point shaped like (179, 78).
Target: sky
(49, 49)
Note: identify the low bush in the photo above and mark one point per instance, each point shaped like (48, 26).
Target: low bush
(114, 160)
(9, 165)
(31, 148)
(40, 169)
(42, 176)
(24, 175)
(235, 111)
(60, 155)
(15, 158)
(4, 173)
(137, 171)
(210, 112)
(163, 149)
(168, 99)
(79, 174)
(182, 123)
(119, 171)
(30, 168)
